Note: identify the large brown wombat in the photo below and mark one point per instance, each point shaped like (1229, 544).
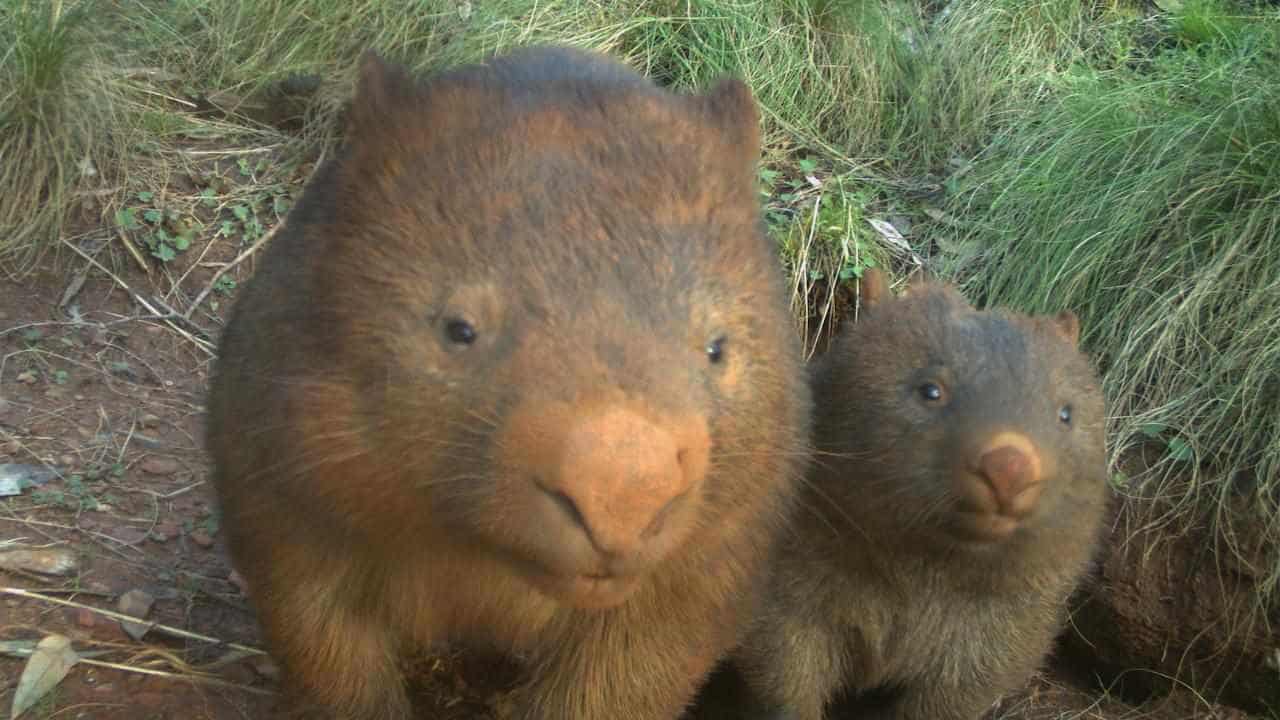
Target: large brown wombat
(957, 492)
(518, 376)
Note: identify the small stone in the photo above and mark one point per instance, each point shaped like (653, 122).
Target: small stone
(27, 377)
(137, 603)
(10, 448)
(47, 561)
(159, 465)
(78, 396)
(149, 421)
(147, 441)
(128, 535)
(86, 618)
(265, 667)
(238, 580)
(164, 532)
(67, 460)
(201, 538)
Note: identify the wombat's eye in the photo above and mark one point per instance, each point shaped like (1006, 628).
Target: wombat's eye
(460, 332)
(930, 392)
(1064, 414)
(715, 350)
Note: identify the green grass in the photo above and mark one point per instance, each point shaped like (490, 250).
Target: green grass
(1147, 197)
(985, 66)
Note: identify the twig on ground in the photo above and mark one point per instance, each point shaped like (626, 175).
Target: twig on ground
(167, 319)
(94, 534)
(67, 591)
(176, 285)
(133, 252)
(165, 629)
(266, 237)
(192, 677)
(229, 152)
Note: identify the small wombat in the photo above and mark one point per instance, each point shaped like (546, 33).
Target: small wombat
(519, 376)
(957, 493)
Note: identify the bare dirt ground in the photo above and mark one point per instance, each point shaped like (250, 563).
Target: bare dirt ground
(105, 395)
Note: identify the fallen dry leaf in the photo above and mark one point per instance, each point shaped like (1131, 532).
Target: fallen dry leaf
(48, 562)
(52, 660)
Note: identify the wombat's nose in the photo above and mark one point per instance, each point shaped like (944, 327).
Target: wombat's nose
(622, 476)
(1011, 466)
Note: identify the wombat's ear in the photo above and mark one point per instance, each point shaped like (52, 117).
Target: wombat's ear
(1067, 325)
(916, 280)
(732, 107)
(379, 87)
(872, 287)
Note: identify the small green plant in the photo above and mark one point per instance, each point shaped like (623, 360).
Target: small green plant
(74, 496)
(843, 227)
(210, 523)
(84, 490)
(225, 285)
(782, 191)
(249, 169)
(165, 232)
(103, 471)
(250, 225)
(1175, 445)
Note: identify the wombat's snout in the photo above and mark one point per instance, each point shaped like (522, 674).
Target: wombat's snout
(622, 478)
(1011, 468)
(1005, 485)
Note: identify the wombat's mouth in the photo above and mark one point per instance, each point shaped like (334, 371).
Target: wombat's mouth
(983, 527)
(597, 592)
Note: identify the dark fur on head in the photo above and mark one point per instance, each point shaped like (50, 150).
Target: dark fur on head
(958, 487)
(506, 261)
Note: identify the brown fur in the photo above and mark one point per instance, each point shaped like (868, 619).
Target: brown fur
(913, 587)
(387, 486)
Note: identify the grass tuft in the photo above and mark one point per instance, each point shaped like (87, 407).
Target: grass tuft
(56, 98)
